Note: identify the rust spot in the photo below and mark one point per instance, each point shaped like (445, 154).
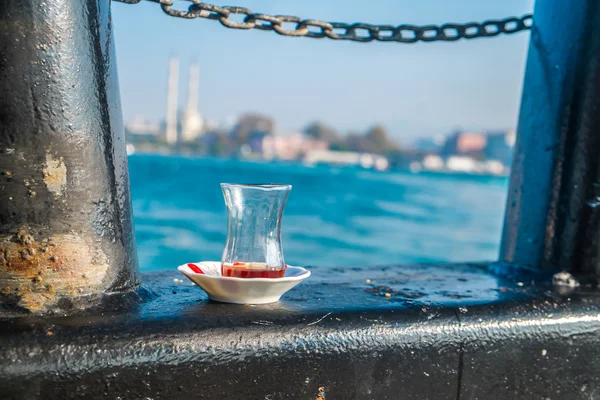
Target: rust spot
(34, 274)
(321, 394)
(50, 288)
(24, 238)
(55, 175)
(25, 255)
(34, 301)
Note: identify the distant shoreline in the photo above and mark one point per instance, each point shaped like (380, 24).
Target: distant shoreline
(174, 154)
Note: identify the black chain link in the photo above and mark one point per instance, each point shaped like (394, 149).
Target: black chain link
(359, 32)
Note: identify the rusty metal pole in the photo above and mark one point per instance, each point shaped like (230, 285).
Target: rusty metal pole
(553, 219)
(66, 232)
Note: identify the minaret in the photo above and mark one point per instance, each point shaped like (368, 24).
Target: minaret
(192, 102)
(171, 120)
(192, 122)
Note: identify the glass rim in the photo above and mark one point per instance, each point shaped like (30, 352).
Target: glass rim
(258, 186)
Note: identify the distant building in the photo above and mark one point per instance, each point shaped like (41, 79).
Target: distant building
(471, 152)
(141, 126)
(464, 143)
(255, 140)
(185, 125)
(192, 123)
(463, 164)
(433, 162)
(495, 168)
(141, 131)
(289, 147)
(429, 145)
(350, 158)
(499, 147)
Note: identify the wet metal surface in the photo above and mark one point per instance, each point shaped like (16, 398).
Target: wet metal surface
(541, 350)
(445, 332)
(66, 232)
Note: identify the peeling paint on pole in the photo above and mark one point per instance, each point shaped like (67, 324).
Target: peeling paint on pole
(55, 175)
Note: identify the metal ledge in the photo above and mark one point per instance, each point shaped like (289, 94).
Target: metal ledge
(445, 332)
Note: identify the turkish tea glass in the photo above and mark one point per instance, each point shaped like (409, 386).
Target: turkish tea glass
(253, 247)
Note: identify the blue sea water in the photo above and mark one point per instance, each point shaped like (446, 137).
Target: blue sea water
(334, 216)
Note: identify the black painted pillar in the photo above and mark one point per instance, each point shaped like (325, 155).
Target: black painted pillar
(66, 233)
(553, 214)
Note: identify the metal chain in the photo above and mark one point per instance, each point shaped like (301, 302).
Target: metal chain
(359, 32)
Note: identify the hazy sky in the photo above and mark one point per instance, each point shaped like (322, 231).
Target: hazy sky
(421, 89)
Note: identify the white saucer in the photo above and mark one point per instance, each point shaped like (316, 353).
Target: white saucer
(241, 290)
